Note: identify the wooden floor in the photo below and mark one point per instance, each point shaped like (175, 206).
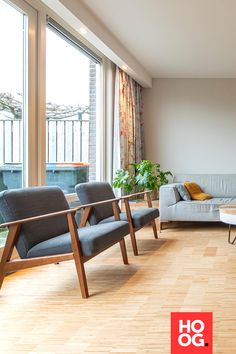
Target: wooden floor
(192, 268)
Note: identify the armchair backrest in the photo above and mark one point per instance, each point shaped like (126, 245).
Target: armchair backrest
(92, 192)
(24, 203)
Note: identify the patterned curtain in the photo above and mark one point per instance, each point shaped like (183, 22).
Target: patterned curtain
(128, 122)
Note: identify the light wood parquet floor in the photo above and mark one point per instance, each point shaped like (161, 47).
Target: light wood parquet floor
(190, 268)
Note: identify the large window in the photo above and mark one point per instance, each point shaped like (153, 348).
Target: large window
(50, 126)
(13, 27)
(72, 92)
(17, 94)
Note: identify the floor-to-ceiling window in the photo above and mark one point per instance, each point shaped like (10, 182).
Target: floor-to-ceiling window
(13, 29)
(17, 38)
(72, 112)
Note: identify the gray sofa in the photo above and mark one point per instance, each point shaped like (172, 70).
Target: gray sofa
(173, 208)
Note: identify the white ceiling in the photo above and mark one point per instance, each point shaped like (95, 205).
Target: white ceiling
(174, 38)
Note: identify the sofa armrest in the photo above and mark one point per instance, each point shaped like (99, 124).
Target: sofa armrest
(168, 196)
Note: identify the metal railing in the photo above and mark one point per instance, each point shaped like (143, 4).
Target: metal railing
(10, 141)
(67, 140)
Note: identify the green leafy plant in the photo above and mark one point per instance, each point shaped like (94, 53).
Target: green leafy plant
(147, 175)
(123, 179)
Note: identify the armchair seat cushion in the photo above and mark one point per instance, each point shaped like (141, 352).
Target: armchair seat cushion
(140, 217)
(93, 239)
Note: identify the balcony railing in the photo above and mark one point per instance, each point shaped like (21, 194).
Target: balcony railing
(67, 140)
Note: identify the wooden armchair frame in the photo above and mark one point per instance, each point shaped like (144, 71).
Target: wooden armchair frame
(130, 221)
(7, 265)
(129, 217)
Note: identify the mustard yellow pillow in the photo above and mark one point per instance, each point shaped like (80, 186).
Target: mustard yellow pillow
(195, 191)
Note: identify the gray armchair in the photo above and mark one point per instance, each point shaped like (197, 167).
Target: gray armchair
(43, 229)
(96, 191)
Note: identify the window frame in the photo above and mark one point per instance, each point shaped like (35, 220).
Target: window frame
(44, 14)
(29, 171)
(35, 133)
(69, 37)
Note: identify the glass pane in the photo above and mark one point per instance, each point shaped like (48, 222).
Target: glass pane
(71, 91)
(12, 23)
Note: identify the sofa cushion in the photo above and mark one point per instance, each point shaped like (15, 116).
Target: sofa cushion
(196, 192)
(140, 216)
(93, 239)
(195, 210)
(183, 192)
(217, 185)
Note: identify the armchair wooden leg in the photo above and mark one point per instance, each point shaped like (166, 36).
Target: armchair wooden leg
(154, 229)
(133, 241)
(2, 275)
(77, 254)
(82, 277)
(160, 226)
(131, 227)
(8, 249)
(123, 251)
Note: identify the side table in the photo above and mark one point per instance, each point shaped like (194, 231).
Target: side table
(228, 216)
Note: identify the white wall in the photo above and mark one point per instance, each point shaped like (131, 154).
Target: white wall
(190, 125)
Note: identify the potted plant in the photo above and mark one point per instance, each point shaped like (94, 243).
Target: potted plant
(125, 180)
(147, 175)
(150, 176)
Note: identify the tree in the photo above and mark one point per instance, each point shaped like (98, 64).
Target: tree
(56, 111)
(11, 108)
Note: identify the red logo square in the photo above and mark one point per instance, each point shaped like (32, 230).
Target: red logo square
(191, 333)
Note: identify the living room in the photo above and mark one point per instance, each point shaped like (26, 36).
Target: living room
(180, 57)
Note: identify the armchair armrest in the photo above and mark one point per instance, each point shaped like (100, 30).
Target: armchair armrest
(127, 205)
(127, 197)
(61, 212)
(168, 196)
(135, 194)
